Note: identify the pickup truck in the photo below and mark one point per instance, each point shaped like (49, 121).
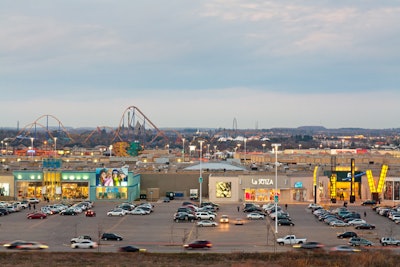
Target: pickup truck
(290, 240)
(385, 241)
(80, 239)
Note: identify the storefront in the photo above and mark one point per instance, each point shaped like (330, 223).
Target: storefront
(254, 188)
(391, 190)
(58, 185)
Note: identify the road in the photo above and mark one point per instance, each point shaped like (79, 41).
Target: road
(157, 232)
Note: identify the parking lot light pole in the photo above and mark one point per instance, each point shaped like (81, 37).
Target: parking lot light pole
(201, 171)
(276, 185)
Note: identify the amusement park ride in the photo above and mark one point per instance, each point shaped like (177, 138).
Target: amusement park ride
(349, 178)
(134, 132)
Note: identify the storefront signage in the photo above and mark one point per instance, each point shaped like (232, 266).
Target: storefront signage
(298, 185)
(262, 181)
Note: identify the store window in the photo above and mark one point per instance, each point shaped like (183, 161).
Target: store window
(75, 190)
(29, 189)
(4, 189)
(111, 192)
(223, 189)
(260, 195)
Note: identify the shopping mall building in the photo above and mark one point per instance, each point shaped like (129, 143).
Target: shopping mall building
(221, 186)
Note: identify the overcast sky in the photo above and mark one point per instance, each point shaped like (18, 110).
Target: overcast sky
(201, 64)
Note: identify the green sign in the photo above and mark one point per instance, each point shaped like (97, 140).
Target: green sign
(276, 199)
(200, 180)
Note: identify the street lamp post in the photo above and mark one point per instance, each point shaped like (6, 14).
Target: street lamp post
(32, 147)
(110, 147)
(263, 145)
(201, 171)
(183, 149)
(276, 184)
(215, 151)
(55, 146)
(245, 157)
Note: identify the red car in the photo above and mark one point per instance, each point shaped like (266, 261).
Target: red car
(198, 244)
(36, 215)
(90, 213)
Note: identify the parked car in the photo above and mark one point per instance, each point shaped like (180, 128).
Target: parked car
(338, 224)
(198, 244)
(137, 211)
(206, 223)
(111, 236)
(385, 241)
(369, 202)
(347, 235)
(205, 216)
(116, 212)
(365, 226)
(68, 212)
(285, 222)
(357, 222)
(131, 249)
(84, 244)
(3, 212)
(358, 241)
(33, 200)
(255, 216)
(184, 216)
(36, 215)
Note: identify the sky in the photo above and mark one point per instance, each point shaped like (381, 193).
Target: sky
(201, 64)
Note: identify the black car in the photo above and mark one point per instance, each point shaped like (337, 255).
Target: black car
(365, 226)
(14, 244)
(111, 236)
(131, 249)
(252, 209)
(369, 202)
(347, 235)
(4, 212)
(184, 216)
(310, 245)
(285, 222)
(184, 209)
(68, 212)
(198, 244)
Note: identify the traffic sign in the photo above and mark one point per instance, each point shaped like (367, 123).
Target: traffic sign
(200, 180)
(276, 199)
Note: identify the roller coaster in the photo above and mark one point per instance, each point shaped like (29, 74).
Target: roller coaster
(134, 126)
(35, 130)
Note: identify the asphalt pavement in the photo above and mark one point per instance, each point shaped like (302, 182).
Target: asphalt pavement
(157, 232)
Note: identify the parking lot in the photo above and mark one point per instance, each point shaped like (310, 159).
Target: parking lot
(157, 232)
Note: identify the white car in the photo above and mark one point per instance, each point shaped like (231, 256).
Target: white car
(33, 200)
(357, 222)
(255, 216)
(137, 211)
(338, 224)
(206, 223)
(205, 216)
(116, 212)
(224, 219)
(84, 244)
